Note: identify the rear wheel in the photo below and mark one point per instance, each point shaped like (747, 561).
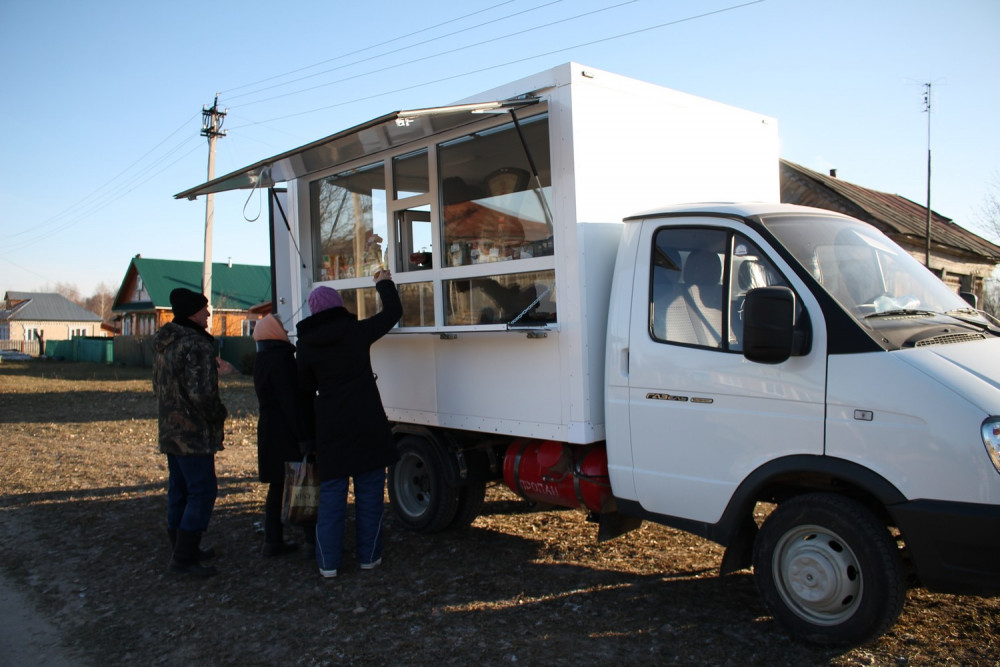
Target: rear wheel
(829, 570)
(421, 497)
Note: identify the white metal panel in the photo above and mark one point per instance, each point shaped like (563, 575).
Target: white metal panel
(923, 434)
(500, 382)
(639, 145)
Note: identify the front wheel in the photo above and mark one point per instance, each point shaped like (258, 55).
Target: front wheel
(828, 570)
(418, 489)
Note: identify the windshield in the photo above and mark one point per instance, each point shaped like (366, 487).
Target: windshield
(861, 268)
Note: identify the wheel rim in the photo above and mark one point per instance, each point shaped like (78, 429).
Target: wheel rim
(817, 575)
(412, 480)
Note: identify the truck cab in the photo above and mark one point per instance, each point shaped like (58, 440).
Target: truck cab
(797, 358)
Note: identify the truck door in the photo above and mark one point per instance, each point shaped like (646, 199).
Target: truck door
(701, 416)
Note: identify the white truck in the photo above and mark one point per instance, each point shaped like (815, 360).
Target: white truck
(690, 366)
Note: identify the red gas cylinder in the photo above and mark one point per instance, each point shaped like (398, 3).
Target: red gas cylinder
(556, 473)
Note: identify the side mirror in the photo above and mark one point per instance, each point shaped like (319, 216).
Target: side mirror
(769, 324)
(970, 299)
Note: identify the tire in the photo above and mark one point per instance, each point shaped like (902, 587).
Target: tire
(471, 499)
(472, 496)
(418, 489)
(828, 570)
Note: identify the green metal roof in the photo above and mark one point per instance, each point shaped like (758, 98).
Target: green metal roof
(236, 287)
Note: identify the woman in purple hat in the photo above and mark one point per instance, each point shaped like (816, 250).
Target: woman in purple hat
(353, 437)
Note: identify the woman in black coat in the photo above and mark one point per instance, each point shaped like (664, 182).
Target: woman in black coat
(282, 428)
(353, 437)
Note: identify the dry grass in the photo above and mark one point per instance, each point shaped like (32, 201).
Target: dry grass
(81, 534)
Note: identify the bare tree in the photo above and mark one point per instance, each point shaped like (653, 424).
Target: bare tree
(988, 216)
(101, 301)
(988, 219)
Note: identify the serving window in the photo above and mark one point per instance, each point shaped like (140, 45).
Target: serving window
(433, 215)
(508, 298)
(492, 210)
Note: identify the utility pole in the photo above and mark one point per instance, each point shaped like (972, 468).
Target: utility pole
(927, 109)
(211, 127)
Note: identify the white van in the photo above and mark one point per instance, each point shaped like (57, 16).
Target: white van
(787, 355)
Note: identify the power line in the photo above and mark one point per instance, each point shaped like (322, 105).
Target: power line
(505, 64)
(368, 48)
(400, 49)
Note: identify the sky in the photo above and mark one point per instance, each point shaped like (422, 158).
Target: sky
(101, 103)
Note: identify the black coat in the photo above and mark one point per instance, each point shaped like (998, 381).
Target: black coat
(282, 422)
(352, 432)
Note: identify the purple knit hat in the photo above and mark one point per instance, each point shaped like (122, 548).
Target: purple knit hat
(323, 298)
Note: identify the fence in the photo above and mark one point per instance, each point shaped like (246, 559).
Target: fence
(240, 351)
(26, 346)
(96, 349)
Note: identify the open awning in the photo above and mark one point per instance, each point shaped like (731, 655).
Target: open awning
(379, 134)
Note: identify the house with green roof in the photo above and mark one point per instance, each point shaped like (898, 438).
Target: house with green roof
(143, 300)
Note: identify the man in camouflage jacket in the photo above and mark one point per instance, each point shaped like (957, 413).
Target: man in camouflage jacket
(191, 419)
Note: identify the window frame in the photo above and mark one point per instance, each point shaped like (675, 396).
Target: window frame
(437, 274)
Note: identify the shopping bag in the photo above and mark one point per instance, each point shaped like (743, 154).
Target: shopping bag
(300, 501)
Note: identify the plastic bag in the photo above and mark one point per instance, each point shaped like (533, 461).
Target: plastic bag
(300, 500)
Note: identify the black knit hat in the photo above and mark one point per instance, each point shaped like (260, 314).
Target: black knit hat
(186, 303)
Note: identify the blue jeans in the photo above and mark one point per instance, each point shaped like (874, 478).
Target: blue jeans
(369, 490)
(191, 492)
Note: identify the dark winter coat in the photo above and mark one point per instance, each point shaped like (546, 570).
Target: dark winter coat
(281, 424)
(186, 384)
(352, 432)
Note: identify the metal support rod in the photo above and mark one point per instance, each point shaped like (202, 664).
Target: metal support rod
(927, 108)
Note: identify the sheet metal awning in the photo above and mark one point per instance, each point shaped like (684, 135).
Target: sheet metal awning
(379, 134)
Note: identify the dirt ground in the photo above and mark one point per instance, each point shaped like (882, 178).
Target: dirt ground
(82, 544)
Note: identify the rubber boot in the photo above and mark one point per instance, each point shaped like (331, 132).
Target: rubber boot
(185, 559)
(203, 554)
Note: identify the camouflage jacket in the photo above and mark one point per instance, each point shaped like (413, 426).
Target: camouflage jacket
(186, 384)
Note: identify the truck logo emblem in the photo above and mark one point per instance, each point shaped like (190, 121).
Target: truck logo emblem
(666, 397)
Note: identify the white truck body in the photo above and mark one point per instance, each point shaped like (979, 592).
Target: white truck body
(547, 326)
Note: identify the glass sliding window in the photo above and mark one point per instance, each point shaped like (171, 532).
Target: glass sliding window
(410, 175)
(492, 210)
(418, 304)
(363, 302)
(413, 239)
(510, 298)
(349, 222)
(417, 299)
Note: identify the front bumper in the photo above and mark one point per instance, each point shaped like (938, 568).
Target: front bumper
(955, 547)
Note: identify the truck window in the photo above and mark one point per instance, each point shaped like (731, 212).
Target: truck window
(417, 299)
(491, 208)
(349, 223)
(413, 239)
(410, 174)
(698, 282)
(519, 298)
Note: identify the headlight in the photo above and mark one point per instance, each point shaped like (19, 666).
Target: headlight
(991, 438)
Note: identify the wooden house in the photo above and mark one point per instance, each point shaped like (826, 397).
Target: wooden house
(143, 300)
(959, 257)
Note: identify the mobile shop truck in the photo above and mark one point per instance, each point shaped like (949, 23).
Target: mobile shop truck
(683, 366)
